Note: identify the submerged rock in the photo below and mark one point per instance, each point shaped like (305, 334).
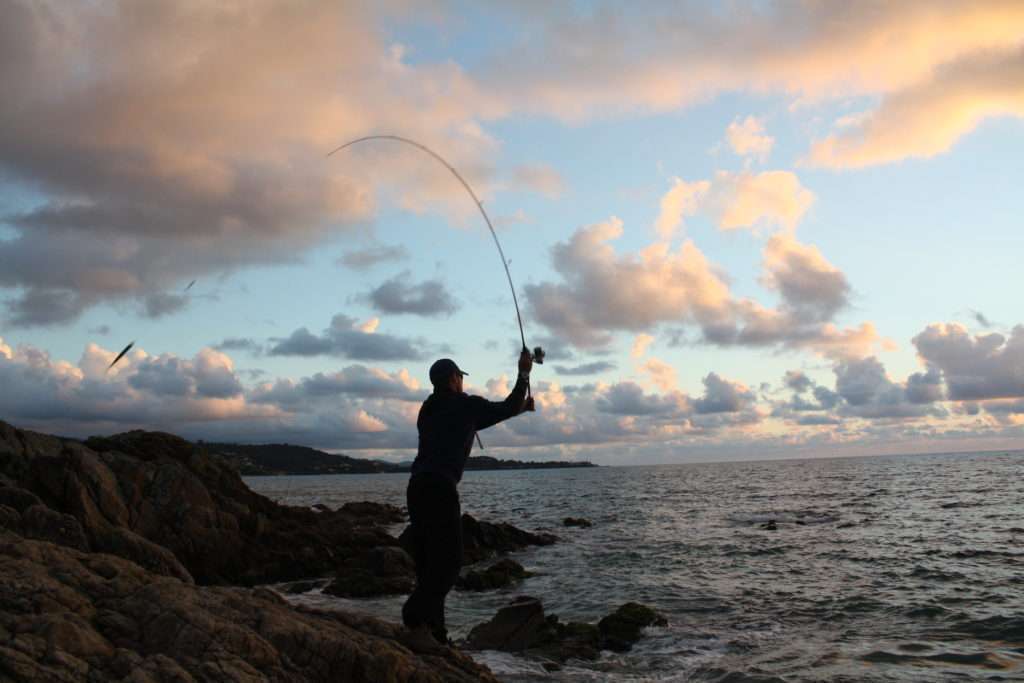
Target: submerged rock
(577, 521)
(502, 573)
(623, 627)
(522, 626)
(484, 540)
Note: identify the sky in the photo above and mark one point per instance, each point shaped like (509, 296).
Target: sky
(739, 230)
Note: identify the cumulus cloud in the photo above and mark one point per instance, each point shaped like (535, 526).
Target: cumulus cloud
(427, 298)
(344, 339)
(364, 259)
(812, 289)
(723, 396)
(985, 366)
(736, 200)
(747, 138)
(603, 291)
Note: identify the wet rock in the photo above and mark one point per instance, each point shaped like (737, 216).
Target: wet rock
(299, 587)
(577, 521)
(522, 626)
(622, 628)
(502, 573)
(518, 626)
(770, 525)
(484, 540)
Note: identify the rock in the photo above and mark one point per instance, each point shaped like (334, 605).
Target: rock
(501, 574)
(483, 540)
(516, 627)
(147, 554)
(74, 616)
(380, 513)
(10, 519)
(577, 521)
(376, 571)
(171, 493)
(299, 587)
(770, 525)
(17, 498)
(621, 629)
(42, 523)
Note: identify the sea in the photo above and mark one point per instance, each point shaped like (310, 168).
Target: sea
(897, 568)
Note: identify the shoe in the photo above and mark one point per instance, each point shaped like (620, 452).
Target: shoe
(421, 641)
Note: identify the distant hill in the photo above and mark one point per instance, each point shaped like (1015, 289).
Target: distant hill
(279, 459)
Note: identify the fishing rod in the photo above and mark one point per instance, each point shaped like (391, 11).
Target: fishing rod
(538, 352)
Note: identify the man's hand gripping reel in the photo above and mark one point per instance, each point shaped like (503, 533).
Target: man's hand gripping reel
(537, 357)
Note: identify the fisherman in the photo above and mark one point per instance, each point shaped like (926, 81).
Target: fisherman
(448, 421)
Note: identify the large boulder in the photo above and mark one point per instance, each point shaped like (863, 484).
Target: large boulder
(69, 616)
(133, 492)
(519, 625)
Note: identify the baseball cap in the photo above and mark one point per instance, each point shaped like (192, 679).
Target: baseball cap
(442, 369)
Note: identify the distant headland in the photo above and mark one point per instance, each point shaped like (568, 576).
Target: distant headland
(266, 460)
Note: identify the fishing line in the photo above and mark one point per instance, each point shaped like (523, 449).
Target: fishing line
(538, 352)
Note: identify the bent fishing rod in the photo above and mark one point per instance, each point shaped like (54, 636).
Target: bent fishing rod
(538, 352)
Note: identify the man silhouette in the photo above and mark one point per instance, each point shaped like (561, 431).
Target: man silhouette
(447, 423)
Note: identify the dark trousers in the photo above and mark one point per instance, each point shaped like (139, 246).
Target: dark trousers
(436, 521)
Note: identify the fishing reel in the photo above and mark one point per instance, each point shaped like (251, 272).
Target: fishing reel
(538, 355)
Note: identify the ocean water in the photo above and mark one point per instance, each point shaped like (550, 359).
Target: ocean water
(905, 568)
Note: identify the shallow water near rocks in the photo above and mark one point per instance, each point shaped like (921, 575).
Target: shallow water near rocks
(906, 568)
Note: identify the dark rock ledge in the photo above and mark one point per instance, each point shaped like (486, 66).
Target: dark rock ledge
(127, 559)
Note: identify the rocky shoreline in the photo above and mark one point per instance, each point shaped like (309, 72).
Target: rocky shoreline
(140, 557)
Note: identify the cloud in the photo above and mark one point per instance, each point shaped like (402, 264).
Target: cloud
(927, 119)
(812, 289)
(159, 304)
(961, 54)
(428, 298)
(683, 199)
(604, 292)
(736, 200)
(868, 392)
(206, 155)
(640, 344)
(539, 178)
(628, 398)
(797, 381)
(662, 374)
(343, 339)
(723, 396)
(985, 366)
(353, 381)
(240, 344)
(364, 259)
(585, 369)
(747, 139)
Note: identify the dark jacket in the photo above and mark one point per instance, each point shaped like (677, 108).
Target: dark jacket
(447, 423)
